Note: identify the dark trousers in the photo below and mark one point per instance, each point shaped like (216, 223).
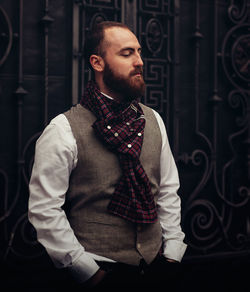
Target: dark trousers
(159, 273)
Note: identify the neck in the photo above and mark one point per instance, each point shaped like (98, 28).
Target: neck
(114, 95)
(109, 92)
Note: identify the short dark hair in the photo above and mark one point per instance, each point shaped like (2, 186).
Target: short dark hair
(94, 39)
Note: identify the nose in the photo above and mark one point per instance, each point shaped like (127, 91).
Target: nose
(138, 60)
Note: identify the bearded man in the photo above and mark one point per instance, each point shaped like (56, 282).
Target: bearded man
(103, 190)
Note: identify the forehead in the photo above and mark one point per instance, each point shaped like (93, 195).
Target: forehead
(117, 38)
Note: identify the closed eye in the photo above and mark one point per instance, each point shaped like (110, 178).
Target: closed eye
(126, 52)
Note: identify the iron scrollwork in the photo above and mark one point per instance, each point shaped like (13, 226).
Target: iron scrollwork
(217, 190)
(237, 11)
(6, 36)
(221, 195)
(154, 24)
(154, 36)
(236, 56)
(21, 236)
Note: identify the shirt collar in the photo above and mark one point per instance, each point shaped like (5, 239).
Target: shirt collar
(106, 95)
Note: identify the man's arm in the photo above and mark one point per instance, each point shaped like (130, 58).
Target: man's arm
(55, 157)
(168, 203)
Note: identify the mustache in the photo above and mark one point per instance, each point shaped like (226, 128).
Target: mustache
(137, 71)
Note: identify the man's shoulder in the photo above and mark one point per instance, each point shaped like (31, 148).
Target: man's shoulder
(73, 109)
(79, 115)
(77, 109)
(58, 120)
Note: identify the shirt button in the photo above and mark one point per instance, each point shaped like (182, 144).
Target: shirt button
(129, 145)
(127, 123)
(116, 134)
(108, 127)
(139, 134)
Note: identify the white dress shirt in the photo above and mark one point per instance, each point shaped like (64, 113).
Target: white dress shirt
(55, 158)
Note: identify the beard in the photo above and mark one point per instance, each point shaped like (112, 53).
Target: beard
(129, 88)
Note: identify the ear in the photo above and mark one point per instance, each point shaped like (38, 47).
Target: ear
(97, 63)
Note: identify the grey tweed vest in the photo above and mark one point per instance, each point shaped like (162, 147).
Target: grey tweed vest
(93, 182)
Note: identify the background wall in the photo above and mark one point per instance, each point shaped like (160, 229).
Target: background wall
(197, 69)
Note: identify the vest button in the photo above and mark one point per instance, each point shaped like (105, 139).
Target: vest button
(108, 127)
(129, 145)
(139, 134)
(138, 245)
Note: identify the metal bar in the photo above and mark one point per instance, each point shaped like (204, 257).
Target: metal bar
(129, 14)
(20, 80)
(175, 92)
(46, 20)
(75, 48)
(19, 93)
(46, 67)
(215, 100)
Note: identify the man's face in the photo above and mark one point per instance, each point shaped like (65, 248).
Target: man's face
(122, 74)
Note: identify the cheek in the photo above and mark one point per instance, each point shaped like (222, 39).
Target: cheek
(120, 66)
(123, 69)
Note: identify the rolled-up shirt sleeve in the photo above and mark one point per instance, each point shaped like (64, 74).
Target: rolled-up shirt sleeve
(169, 203)
(55, 157)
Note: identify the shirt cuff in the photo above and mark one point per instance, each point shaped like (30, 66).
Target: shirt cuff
(174, 249)
(83, 269)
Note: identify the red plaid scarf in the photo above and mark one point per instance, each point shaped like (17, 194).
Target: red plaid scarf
(121, 128)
